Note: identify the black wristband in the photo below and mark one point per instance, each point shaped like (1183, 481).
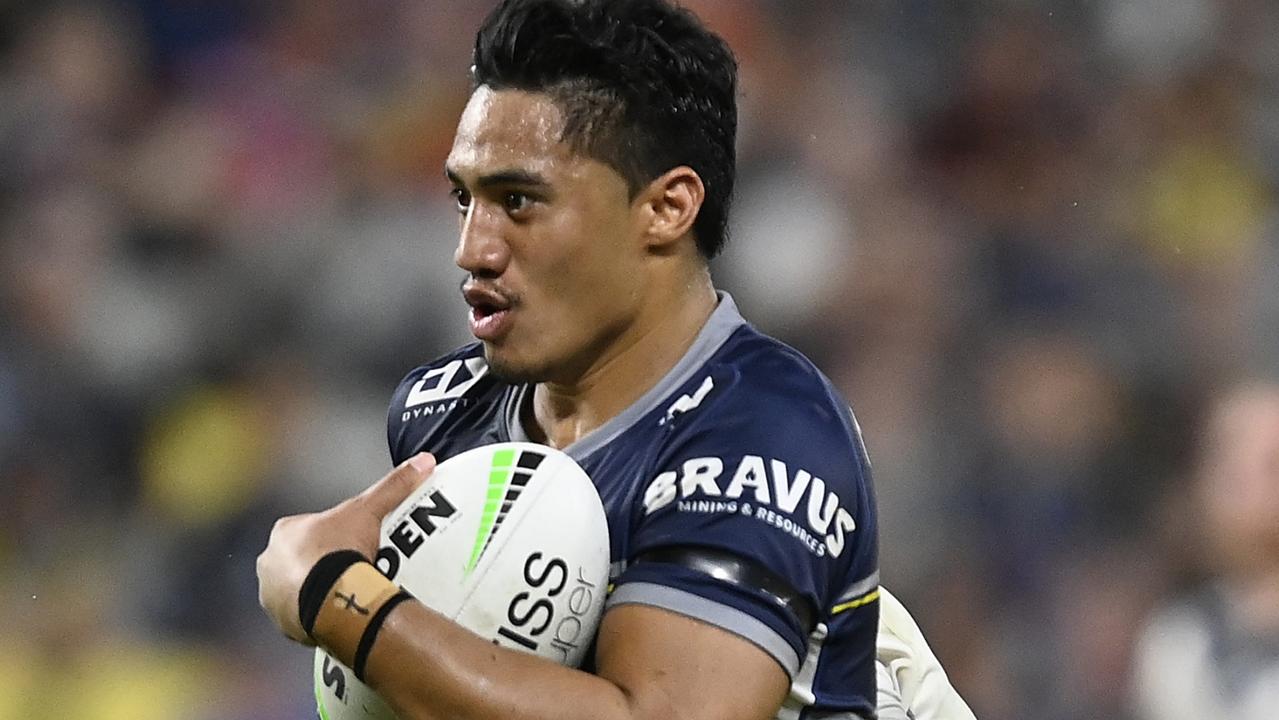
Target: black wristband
(319, 581)
(371, 630)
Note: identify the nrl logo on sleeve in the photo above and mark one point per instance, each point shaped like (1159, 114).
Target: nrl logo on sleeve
(441, 389)
(686, 403)
(760, 488)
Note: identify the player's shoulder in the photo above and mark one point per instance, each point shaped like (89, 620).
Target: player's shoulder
(761, 458)
(761, 412)
(768, 365)
(439, 394)
(762, 387)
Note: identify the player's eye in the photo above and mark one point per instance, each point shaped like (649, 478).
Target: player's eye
(514, 202)
(462, 198)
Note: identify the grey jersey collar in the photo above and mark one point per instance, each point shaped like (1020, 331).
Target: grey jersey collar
(724, 320)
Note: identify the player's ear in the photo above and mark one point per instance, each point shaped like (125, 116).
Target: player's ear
(669, 205)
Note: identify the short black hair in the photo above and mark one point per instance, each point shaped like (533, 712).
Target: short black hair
(644, 87)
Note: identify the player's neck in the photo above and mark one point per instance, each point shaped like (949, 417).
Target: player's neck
(562, 413)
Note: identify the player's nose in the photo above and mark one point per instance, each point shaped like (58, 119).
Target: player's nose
(481, 251)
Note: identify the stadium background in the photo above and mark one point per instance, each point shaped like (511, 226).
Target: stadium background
(1026, 238)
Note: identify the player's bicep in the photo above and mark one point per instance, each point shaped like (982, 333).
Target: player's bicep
(672, 666)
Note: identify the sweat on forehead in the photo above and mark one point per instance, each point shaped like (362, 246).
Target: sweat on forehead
(508, 128)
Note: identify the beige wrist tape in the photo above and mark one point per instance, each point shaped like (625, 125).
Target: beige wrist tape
(352, 605)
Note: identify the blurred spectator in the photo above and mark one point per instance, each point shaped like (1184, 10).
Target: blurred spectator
(1214, 651)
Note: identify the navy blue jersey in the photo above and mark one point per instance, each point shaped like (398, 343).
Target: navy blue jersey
(743, 450)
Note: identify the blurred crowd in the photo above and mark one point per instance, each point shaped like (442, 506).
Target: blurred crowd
(1033, 241)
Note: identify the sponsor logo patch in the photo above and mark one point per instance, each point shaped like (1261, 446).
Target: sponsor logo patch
(441, 390)
(447, 382)
(764, 489)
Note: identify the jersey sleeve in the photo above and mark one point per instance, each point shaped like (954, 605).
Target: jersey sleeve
(889, 703)
(771, 471)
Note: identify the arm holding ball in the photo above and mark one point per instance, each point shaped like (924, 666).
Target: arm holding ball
(650, 663)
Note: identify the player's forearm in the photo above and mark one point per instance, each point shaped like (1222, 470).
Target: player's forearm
(429, 668)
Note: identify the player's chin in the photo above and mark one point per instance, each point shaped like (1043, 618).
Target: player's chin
(507, 365)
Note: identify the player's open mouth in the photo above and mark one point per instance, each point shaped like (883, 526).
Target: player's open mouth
(489, 323)
(490, 312)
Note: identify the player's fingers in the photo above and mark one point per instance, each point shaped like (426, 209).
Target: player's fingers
(386, 494)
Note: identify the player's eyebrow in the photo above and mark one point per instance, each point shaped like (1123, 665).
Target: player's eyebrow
(513, 176)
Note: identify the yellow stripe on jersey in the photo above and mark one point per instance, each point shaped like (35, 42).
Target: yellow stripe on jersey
(869, 597)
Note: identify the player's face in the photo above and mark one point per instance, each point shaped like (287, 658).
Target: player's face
(549, 240)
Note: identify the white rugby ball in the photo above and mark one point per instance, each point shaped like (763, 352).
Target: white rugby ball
(508, 540)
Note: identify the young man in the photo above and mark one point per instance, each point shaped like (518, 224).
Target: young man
(592, 169)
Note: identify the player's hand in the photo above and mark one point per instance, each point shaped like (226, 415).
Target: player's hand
(297, 542)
